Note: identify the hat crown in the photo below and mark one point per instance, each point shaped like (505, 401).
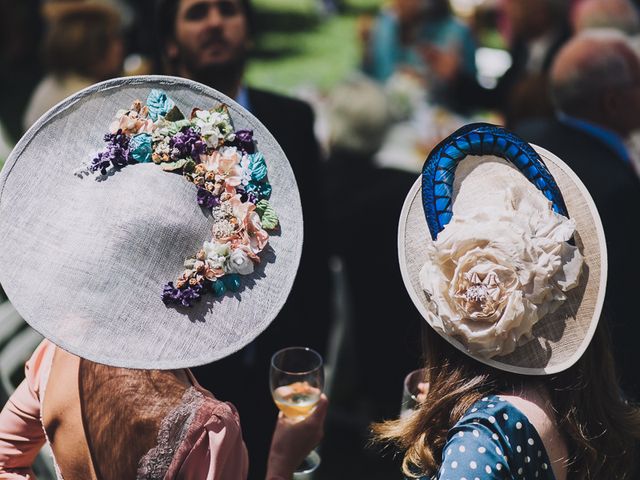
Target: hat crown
(129, 232)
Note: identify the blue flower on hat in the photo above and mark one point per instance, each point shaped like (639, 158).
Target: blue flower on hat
(257, 167)
(140, 148)
(262, 190)
(232, 282)
(218, 287)
(159, 104)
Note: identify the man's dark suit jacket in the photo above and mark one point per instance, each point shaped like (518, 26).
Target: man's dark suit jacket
(365, 203)
(243, 378)
(615, 189)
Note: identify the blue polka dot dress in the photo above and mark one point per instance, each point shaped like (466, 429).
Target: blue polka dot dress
(494, 440)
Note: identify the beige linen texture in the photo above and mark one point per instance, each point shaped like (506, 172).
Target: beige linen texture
(85, 261)
(561, 337)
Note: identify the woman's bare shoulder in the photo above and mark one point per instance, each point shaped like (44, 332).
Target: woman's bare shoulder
(535, 404)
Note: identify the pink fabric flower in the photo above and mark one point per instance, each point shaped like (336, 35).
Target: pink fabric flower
(225, 163)
(250, 236)
(131, 124)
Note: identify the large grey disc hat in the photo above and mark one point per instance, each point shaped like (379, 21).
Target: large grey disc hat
(503, 253)
(84, 259)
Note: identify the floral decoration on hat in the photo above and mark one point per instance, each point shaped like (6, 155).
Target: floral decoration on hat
(496, 268)
(231, 180)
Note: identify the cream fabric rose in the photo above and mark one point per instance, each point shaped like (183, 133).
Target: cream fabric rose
(216, 255)
(498, 268)
(239, 263)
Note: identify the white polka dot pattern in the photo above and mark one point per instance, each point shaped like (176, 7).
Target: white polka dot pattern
(480, 443)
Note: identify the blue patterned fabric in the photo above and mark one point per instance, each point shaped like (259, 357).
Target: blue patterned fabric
(494, 440)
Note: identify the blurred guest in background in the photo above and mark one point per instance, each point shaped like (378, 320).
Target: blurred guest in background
(364, 198)
(382, 339)
(409, 34)
(595, 82)
(21, 31)
(538, 28)
(619, 14)
(208, 41)
(83, 46)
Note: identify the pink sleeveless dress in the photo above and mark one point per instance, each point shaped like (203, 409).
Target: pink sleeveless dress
(199, 439)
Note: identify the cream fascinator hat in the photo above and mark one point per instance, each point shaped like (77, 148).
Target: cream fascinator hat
(503, 253)
(174, 244)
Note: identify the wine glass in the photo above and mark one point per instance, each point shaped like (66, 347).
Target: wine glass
(296, 377)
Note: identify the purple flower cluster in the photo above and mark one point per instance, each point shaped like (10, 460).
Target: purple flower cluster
(115, 154)
(187, 143)
(244, 141)
(185, 296)
(246, 196)
(207, 199)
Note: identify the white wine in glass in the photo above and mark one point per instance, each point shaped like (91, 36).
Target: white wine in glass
(296, 400)
(296, 377)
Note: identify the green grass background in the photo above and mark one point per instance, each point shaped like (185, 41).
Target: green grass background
(297, 46)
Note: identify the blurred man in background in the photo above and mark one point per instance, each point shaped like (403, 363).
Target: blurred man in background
(383, 340)
(619, 14)
(595, 82)
(208, 41)
(539, 28)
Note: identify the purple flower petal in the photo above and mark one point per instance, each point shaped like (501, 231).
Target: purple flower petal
(185, 296)
(187, 143)
(115, 154)
(207, 199)
(244, 140)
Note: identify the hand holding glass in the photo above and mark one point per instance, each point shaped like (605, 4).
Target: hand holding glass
(297, 379)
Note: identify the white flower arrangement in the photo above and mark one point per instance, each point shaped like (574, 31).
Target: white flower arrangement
(495, 270)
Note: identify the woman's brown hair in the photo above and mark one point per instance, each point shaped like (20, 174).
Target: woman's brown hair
(601, 428)
(122, 410)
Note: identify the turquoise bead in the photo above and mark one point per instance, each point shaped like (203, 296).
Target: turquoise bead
(218, 288)
(232, 282)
